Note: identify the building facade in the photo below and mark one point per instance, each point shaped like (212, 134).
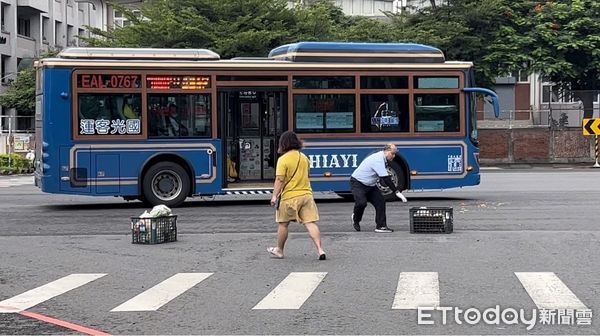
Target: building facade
(31, 27)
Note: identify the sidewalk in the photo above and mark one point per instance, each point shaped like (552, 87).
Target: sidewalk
(541, 166)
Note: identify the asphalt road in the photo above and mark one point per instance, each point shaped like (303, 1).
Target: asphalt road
(516, 224)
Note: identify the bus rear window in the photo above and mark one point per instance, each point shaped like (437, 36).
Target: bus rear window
(109, 113)
(322, 82)
(436, 82)
(437, 113)
(384, 82)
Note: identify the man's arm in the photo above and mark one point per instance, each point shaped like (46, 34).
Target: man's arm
(383, 174)
(387, 180)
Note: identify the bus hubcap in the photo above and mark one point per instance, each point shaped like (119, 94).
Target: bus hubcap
(166, 185)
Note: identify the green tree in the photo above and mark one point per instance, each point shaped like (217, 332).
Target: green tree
(229, 27)
(237, 27)
(559, 39)
(21, 91)
(462, 29)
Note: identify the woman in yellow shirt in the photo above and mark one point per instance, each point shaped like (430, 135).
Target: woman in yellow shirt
(292, 187)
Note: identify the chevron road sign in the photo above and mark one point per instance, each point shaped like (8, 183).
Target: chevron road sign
(591, 126)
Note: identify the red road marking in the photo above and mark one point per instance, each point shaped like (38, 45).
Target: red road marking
(65, 324)
(16, 310)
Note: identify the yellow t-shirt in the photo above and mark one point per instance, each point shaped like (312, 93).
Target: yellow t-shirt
(298, 185)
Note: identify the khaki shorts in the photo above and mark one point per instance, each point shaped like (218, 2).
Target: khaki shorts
(301, 209)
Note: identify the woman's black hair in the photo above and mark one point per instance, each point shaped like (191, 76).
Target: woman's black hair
(288, 141)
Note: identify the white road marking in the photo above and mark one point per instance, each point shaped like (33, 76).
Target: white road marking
(161, 294)
(16, 181)
(46, 292)
(293, 291)
(548, 292)
(417, 289)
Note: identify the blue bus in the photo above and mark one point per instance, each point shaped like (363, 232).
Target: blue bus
(162, 125)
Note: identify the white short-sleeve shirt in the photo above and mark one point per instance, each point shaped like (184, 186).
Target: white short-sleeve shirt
(372, 167)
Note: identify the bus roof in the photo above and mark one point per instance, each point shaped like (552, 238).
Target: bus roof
(296, 56)
(247, 65)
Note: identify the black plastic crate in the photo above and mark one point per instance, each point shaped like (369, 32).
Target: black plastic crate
(431, 220)
(153, 230)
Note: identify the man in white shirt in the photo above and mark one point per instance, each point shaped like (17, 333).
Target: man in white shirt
(364, 187)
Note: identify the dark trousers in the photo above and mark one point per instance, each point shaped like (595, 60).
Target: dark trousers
(363, 194)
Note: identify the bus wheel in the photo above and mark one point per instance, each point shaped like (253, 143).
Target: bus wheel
(166, 183)
(398, 177)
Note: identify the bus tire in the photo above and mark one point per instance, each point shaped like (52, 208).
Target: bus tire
(398, 176)
(165, 183)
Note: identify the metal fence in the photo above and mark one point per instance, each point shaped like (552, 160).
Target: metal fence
(555, 115)
(17, 134)
(559, 108)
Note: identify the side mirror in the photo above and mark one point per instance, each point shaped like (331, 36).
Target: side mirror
(489, 93)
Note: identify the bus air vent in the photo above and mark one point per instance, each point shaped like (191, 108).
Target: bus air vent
(140, 53)
(348, 52)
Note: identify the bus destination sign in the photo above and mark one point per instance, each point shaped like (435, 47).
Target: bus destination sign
(178, 82)
(108, 81)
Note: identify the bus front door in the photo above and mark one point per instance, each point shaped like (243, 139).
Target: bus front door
(254, 120)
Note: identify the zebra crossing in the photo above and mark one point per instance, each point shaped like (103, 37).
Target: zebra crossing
(414, 290)
(6, 182)
(161, 294)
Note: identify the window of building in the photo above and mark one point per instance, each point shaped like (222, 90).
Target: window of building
(71, 36)
(120, 20)
(384, 113)
(3, 13)
(322, 82)
(324, 113)
(384, 82)
(45, 29)
(179, 115)
(437, 113)
(58, 33)
(523, 76)
(23, 27)
(549, 94)
(5, 76)
(520, 76)
(109, 113)
(80, 34)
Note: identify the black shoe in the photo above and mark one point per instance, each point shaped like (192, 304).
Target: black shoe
(355, 224)
(322, 257)
(384, 229)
